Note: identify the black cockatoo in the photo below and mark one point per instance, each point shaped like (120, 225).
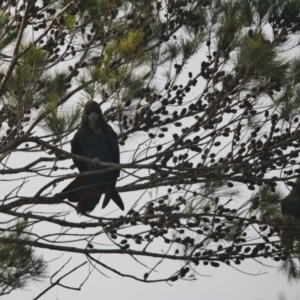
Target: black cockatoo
(94, 139)
(290, 205)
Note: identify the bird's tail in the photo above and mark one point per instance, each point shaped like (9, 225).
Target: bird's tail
(113, 194)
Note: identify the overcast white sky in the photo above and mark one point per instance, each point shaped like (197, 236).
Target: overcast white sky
(223, 284)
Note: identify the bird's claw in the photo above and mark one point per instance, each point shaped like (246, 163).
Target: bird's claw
(96, 161)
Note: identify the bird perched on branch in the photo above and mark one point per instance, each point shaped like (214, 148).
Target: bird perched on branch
(96, 140)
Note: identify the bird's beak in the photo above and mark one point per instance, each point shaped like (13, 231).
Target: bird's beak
(93, 118)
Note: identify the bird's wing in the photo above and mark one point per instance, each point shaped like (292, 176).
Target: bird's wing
(112, 140)
(76, 149)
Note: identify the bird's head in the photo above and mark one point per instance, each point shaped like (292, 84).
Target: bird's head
(92, 115)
